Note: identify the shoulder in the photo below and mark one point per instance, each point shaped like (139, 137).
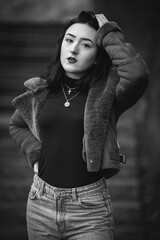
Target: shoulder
(35, 83)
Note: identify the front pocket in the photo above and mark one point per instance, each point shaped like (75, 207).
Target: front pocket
(32, 193)
(108, 203)
(92, 202)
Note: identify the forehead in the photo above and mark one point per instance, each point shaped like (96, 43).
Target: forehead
(82, 30)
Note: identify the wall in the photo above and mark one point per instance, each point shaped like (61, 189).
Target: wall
(41, 11)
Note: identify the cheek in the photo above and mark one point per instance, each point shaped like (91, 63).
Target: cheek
(62, 55)
(63, 50)
(89, 59)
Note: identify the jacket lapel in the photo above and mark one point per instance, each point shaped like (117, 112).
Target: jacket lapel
(97, 112)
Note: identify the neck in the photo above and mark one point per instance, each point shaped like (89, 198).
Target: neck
(71, 82)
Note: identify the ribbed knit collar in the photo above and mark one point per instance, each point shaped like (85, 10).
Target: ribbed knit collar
(71, 82)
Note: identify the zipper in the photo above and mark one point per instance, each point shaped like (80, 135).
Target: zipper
(122, 157)
(114, 136)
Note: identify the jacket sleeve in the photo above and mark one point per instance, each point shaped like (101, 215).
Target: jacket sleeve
(131, 68)
(24, 139)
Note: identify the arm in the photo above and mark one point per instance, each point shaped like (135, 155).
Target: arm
(24, 139)
(130, 66)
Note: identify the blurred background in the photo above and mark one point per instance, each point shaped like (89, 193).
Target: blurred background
(28, 34)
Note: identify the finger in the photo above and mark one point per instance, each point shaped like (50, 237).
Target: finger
(101, 19)
(36, 167)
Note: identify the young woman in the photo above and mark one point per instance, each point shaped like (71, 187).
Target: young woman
(65, 124)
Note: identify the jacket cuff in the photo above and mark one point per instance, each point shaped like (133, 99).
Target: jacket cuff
(33, 157)
(104, 30)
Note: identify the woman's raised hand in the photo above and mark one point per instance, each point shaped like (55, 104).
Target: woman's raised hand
(101, 19)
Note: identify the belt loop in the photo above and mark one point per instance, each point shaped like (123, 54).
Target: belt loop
(105, 183)
(74, 194)
(36, 182)
(41, 188)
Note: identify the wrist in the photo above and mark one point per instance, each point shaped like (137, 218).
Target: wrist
(105, 29)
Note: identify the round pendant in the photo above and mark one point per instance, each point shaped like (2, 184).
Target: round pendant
(67, 104)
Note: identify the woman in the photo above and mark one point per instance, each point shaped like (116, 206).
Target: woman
(65, 124)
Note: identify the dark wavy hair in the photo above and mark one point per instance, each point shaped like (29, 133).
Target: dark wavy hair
(95, 74)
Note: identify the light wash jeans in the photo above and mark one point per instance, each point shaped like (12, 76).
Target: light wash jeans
(83, 213)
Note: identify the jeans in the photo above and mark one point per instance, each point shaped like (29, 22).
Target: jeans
(83, 213)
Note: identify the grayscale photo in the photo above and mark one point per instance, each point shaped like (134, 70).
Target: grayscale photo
(79, 120)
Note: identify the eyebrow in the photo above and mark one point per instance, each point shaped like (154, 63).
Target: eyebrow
(86, 39)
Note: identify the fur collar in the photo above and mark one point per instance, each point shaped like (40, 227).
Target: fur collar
(35, 83)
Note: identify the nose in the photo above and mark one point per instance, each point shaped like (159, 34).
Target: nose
(74, 48)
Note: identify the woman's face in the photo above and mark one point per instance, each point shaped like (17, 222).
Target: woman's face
(78, 50)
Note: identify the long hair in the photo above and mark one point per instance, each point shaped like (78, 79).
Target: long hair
(95, 74)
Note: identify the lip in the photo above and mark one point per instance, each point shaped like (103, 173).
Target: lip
(71, 60)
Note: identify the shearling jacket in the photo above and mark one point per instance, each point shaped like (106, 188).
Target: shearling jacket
(123, 87)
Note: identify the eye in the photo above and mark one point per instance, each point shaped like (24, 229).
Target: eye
(86, 45)
(68, 40)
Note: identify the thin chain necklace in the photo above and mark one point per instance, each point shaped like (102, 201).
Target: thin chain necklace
(69, 88)
(67, 103)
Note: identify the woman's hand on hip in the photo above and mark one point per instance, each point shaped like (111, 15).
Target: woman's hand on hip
(101, 19)
(36, 166)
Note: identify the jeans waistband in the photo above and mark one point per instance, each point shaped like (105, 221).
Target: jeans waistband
(42, 186)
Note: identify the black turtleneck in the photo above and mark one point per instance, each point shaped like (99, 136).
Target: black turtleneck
(61, 163)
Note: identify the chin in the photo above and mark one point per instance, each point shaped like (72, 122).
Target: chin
(70, 69)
